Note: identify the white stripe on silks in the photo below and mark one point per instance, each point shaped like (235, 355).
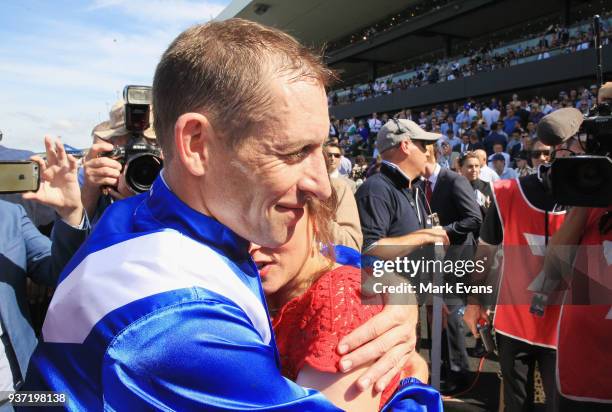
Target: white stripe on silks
(137, 268)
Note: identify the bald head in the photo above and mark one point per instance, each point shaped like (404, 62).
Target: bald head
(482, 156)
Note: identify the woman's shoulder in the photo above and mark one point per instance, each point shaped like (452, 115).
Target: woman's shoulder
(309, 328)
(337, 293)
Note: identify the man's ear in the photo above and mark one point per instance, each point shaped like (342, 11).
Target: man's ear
(193, 135)
(404, 146)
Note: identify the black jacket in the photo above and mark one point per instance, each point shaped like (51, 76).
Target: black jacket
(454, 201)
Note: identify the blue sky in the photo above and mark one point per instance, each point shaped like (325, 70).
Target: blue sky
(64, 63)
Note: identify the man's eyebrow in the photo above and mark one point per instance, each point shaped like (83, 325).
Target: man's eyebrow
(292, 147)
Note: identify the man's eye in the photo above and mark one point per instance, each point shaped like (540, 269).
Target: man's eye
(299, 155)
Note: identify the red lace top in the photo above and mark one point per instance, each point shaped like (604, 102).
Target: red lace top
(308, 328)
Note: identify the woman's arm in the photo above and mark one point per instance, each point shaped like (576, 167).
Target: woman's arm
(341, 388)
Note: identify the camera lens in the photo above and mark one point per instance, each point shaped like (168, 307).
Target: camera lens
(142, 170)
(582, 181)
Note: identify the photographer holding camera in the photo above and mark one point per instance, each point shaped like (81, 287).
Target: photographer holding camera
(581, 248)
(125, 158)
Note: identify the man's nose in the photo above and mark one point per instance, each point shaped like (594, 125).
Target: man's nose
(315, 179)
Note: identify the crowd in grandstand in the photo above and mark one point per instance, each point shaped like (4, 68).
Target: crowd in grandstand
(559, 39)
(494, 125)
(407, 14)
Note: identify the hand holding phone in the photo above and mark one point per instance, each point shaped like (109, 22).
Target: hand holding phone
(59, 186)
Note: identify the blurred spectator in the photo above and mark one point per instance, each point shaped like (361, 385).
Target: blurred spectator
(522, 164)
(524, 145)
(498, 148)
(469, 166)
(444, 159)
(26, 254)
(358, 174)
(511, 121)
(345, 226)
(536, 115)
(486, 173)
(495, 137)
(499, 165)
(540, 154)
(334, 156)
(464, 146)
(515, 140)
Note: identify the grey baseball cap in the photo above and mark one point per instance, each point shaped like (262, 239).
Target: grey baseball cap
(396, 131)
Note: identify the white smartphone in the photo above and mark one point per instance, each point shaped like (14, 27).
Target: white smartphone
(19, 177)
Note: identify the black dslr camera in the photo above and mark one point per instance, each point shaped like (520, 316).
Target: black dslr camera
(586, 179)
(142, 161)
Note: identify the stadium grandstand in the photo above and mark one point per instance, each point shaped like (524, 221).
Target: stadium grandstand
(392, 55)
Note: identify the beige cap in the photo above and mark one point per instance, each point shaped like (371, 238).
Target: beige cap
(396, 131)
(115, 126)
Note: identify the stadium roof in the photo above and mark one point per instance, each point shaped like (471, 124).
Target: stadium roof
(315, 22)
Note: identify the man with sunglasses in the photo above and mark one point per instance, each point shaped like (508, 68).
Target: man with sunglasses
(345, 227)
(540, 154)
(521, 219)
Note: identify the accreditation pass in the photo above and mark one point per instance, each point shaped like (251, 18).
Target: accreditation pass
(35, 398)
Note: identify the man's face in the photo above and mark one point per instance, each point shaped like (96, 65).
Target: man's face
(498, 148)
(525, 139)
(259, 189)
(540, 154)
(499, 165)
(471, 169)
(334, 155)
(446, 149)
(415, 160)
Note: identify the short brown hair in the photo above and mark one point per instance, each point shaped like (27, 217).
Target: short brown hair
(466, 156)
(222, 69)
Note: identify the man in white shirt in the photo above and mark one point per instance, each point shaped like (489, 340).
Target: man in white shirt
(374, 123)
(486, 173)
(487, 116)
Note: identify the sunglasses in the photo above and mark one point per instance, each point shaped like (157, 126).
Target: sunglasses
(537, 153)
(336, 155)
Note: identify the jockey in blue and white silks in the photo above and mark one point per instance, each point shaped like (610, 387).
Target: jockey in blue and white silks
(162, 308)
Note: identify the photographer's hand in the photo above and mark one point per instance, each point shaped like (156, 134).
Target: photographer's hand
(123, 190)
(473, 313)
(100, 172)
(59, 186)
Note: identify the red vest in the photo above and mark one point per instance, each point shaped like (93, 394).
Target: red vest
(584, 364)
(524, 246)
